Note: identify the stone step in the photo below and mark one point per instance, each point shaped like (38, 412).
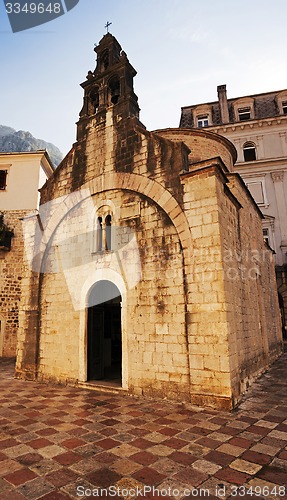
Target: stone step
(104, 387)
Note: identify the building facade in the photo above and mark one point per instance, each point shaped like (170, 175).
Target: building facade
(134, 279)
(257, 126)
(21, 176)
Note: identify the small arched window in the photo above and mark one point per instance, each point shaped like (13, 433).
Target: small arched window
(102, 236)
(108, 224)
(99, 237)
(249, 151)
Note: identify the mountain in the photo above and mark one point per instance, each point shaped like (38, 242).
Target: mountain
(16, 142)
(6, 130)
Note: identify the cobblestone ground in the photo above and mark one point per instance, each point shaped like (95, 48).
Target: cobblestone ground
(61, 442)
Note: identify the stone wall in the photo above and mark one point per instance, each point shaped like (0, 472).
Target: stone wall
(234, 331)
(207, 327)
(203, 145)
(252, 290)
(189, 331)
(11, 270)
(154, 306)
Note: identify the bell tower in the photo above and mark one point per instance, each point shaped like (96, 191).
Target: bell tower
(110, 85)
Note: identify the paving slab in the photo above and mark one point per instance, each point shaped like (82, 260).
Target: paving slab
(59, 442)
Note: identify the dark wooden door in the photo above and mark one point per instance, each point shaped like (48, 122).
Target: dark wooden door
(95, 343)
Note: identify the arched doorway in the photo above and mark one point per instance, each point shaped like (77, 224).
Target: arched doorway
(104, 332)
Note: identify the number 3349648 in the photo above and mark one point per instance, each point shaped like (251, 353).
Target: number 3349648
(262, 491)
(33, 8)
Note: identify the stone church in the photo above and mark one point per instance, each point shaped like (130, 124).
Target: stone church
(146, 267)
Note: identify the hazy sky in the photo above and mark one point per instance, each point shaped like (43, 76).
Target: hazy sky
(181, 49)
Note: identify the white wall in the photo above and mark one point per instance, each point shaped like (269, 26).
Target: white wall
(24, 176)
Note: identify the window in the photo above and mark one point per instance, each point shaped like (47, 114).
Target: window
(266, 235)
(108, 223)
(99, 237)
(256, 190)
(281, 101)
(249, 151)
(202, 115)
(102, 237)
(3, 177)
(268, 232)
(202, 121)
(256, 184)
(244, 114)
(243, 109)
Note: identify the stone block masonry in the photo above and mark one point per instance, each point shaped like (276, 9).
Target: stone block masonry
(160, 219)
(11, 275)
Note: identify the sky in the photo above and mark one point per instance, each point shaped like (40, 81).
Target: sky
(181, 49)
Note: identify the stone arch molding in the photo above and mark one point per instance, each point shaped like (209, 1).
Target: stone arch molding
(92, 279)
(40, 233)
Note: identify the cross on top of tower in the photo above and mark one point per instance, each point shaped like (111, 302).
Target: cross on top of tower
(107, 26)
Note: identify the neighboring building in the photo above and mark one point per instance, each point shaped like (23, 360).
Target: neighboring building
(134, 279)
(21, 176)
(257, 126)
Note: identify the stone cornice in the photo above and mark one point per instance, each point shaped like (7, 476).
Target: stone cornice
(209, 162)
(249, 124)
(265, 165)
(214, 166)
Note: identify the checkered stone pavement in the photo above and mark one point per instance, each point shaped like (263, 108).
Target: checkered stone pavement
(62, 442)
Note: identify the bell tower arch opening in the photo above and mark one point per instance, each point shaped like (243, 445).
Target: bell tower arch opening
(94, 100)
(114, 90)
(104, 333)
(104, 60)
